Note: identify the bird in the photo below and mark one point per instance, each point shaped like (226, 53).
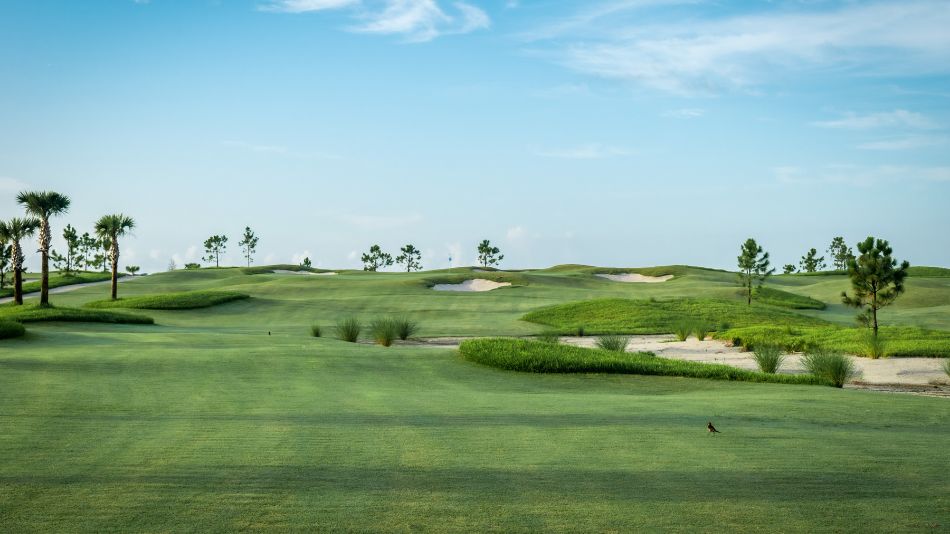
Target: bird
(711, 428)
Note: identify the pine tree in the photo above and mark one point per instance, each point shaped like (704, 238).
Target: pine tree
(876, 280)
(753, 267)
(411, 257)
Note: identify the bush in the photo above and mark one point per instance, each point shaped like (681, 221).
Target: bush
(874, 346)
(613, 343)
(348, 329)
(682, 330)
(315, 330)
(405, 328)
(549, 336)
(769, 358)
(384, 331)
(532, 356)
(833, 367)
(701, 331)
(11, 329)
(192, 266)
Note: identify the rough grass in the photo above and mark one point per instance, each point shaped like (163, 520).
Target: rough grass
(348, 329)
(10, 329)
(384, 331)
(405, 327)
(902, 341)
(536, 357)
(32, 313)
(613, 343)
(833, 367)
(269, 269)
(768, 357)
(624, 316)
(784, 299)
(188, 300)
(59, 280)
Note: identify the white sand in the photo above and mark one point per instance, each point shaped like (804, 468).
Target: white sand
(304, 273)
(478, 284)
(636, 278)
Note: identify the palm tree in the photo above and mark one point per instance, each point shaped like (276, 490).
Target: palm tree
(13, 231)
(112, 227)
(43, 205)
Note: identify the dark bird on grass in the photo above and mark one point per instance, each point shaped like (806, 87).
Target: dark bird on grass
(268, 332)
(711, 428)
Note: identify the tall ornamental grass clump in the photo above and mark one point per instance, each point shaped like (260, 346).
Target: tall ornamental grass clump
(348, 329)
(315, 330)
(384, 331)
(701, 331)
(405, 327)
(613, 343)
(768, 357)
(682, 330)
(874, 346)
(946, 367)
(833, 367)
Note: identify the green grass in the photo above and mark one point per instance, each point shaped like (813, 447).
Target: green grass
(901, 341)
(784, 299)
(536, 357)
(269, 269)
(58, 280)
(623, 316)
(187, 300)
(11, 329)
(207, 423)
(32, 313)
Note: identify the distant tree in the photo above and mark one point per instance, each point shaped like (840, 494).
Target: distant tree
(811, 262)
(489, 255)
(112, 227)
(12, 232)
(43, 205)
(88, 245)
(306, 263)
(5, 254)
(411, 257)
(192, 266)
(376, 259)
(101, 258)
(248, 244)
(132, 269)
(840, 254)
(876, 280)
(214, 247)
(73, 244)
(171, 265)
(789, 269)
(753, 267)
(59, 262)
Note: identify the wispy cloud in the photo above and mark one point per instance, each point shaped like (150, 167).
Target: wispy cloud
(899, 118)
(685, 113)
(905, 143)
(588, 151)
(415, 20)
(11, 184)
(742, 52)
(861, 175)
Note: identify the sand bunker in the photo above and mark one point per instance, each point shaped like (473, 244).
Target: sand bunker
(479, 284)
(637, 278)
(305, 273)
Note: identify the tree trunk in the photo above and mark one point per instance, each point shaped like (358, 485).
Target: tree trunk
(114, 257)
(17, 273)
(874, 310)
(44, 250)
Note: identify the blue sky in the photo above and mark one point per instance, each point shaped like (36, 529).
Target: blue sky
(607, 132)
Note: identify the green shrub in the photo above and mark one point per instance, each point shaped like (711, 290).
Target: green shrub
(768, 357)
(701, 331)
(833, 367)
(874, 346)
(315, 330)
(405, 328)
(11, 329)
(384, 331)
(549, 336)
(532, 356)
(613, 343)
(902, 341)
(682, 330)
(186, 300)
(348, 329)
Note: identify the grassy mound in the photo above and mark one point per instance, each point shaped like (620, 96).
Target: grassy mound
(930, 272)
(269, 269)
(35, 314)
(537, 357)
(515, 279)
(623, 316)
(10, 329)
(187, 300)
(900, 341)
(60, 281)
(784, 299)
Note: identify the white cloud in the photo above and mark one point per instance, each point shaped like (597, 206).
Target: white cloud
(685, 113)
(416, 20)
(745, 51)
(305, 6)
(904, 143)
(588, 151)
(11, 184)
(899, 118)
(515, 233)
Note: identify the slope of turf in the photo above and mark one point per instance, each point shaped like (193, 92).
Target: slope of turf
(60, 280)
(626, 316)
(900, 341)
(31, 313)
(10, 329)
(538, 357)
(187, 300)
(784, 299)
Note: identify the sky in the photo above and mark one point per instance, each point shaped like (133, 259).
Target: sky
(603, 132)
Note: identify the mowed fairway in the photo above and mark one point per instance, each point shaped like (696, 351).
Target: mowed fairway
(204, 422)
